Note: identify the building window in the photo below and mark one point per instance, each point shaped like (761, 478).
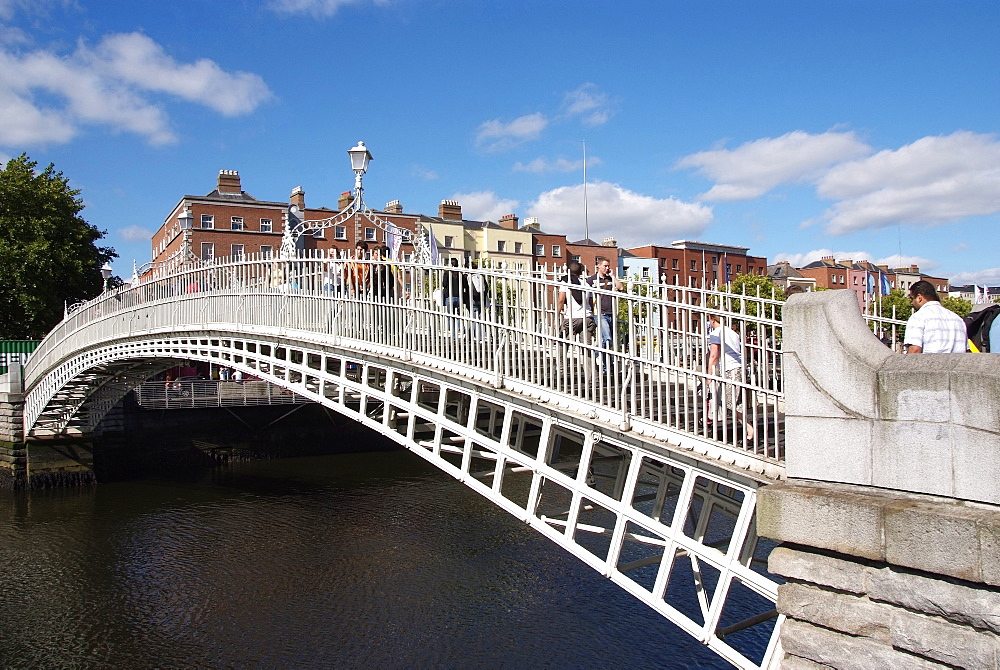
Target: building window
(340, 232)
(673, 264)
(237, 252)
(237, 223)
(694, 266)
(556, 251)
(207, 221)
(449, 241)
(407, 234)
(207, 251)
(501, 246)
(370, 235)
(539, 249)
(574, 258)
(265, 225)
(518, 247)
(739, 268)
(266, 251)
(645, 272)
(318, 233)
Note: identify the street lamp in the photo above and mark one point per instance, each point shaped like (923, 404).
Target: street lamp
(106, 273)
(359, 163)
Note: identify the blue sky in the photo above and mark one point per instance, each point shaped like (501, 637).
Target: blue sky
(859, 129)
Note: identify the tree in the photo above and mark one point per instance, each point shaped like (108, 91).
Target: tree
(48, 255)
(960, 306)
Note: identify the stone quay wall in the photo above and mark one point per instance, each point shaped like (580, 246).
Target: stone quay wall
(890, 517)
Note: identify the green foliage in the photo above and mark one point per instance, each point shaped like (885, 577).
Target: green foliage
(960, 306)
(754, 286)
(896, 300)
(48, 254)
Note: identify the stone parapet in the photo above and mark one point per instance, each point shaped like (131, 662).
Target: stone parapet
(856, 413)
(882, 579)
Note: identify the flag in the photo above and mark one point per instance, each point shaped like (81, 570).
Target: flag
(393, 238)
(869, 283)
(433, 244)
(884, 281)
(976, 299)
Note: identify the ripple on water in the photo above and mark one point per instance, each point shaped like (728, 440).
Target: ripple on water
(356, 561)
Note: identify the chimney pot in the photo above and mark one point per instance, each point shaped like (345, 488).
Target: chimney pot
(298, 197)
(229, 182)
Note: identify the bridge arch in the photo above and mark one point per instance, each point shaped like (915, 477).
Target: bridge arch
(609, 474)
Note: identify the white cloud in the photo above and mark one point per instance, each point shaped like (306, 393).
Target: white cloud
(424, 173)
(135, 234)
(592, 105)
(318, 8)
(47, 97)
(988, 277)
(540, 165)
(893, 261)
(631, 218)
(754, 168)
(484, 205)
(495, 135)
(931, 181)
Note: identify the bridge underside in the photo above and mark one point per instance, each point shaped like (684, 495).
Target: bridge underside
(674, 529)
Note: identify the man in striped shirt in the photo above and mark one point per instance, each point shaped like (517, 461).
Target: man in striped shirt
(933, 329)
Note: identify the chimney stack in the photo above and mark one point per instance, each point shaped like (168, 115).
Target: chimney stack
(229, 182)
(848, 262)
(343, 201)
(450, 210)
(298, 198)
(609, 242)
(393, 207)
(508, 221)
(532, 223)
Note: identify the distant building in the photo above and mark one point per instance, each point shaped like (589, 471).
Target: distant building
(784, 275)
(702, 264)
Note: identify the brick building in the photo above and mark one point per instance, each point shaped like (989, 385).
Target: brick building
(702, 264)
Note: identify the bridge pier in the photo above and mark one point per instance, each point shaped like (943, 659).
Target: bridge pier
(39, 463)
(890, 517)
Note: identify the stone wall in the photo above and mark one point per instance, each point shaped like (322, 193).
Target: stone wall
(888, 520)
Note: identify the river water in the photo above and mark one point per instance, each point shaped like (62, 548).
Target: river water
(371, 560)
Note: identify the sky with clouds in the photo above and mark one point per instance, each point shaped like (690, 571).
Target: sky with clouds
(863, 130)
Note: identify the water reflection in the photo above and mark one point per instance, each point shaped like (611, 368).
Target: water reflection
(349, 561)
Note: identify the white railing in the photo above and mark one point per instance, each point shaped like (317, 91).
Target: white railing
(177, 394)
(653, 375)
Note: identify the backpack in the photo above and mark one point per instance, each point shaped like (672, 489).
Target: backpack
(977, 327)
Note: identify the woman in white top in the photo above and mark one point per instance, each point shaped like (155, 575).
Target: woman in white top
(725, 358)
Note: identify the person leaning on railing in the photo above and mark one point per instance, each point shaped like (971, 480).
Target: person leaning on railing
(725, 358)
(579, 311)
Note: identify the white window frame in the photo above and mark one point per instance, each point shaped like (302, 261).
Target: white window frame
(370, 235)
(539, 249)
(340, 232)
(236, 223)
(208, 251)
(236, 251)
(502, 246)
(519, 247)
(266, 251)
(556, 251)
(449, 241)
(208, 221)
(266, 225)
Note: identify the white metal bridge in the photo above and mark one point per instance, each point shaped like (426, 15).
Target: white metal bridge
(627, 456)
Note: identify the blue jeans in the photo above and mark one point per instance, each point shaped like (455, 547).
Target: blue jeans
(606, 339)
(453, 304)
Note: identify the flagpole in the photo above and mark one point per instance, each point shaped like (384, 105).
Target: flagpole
(586, 220)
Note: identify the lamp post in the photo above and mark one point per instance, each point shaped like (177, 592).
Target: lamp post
(106, 273)
(359, 163)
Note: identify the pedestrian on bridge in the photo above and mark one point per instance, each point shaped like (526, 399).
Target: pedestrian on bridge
(725, 358)
(933, 329)
(577, 303)
(607, 304)
(358, 271)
